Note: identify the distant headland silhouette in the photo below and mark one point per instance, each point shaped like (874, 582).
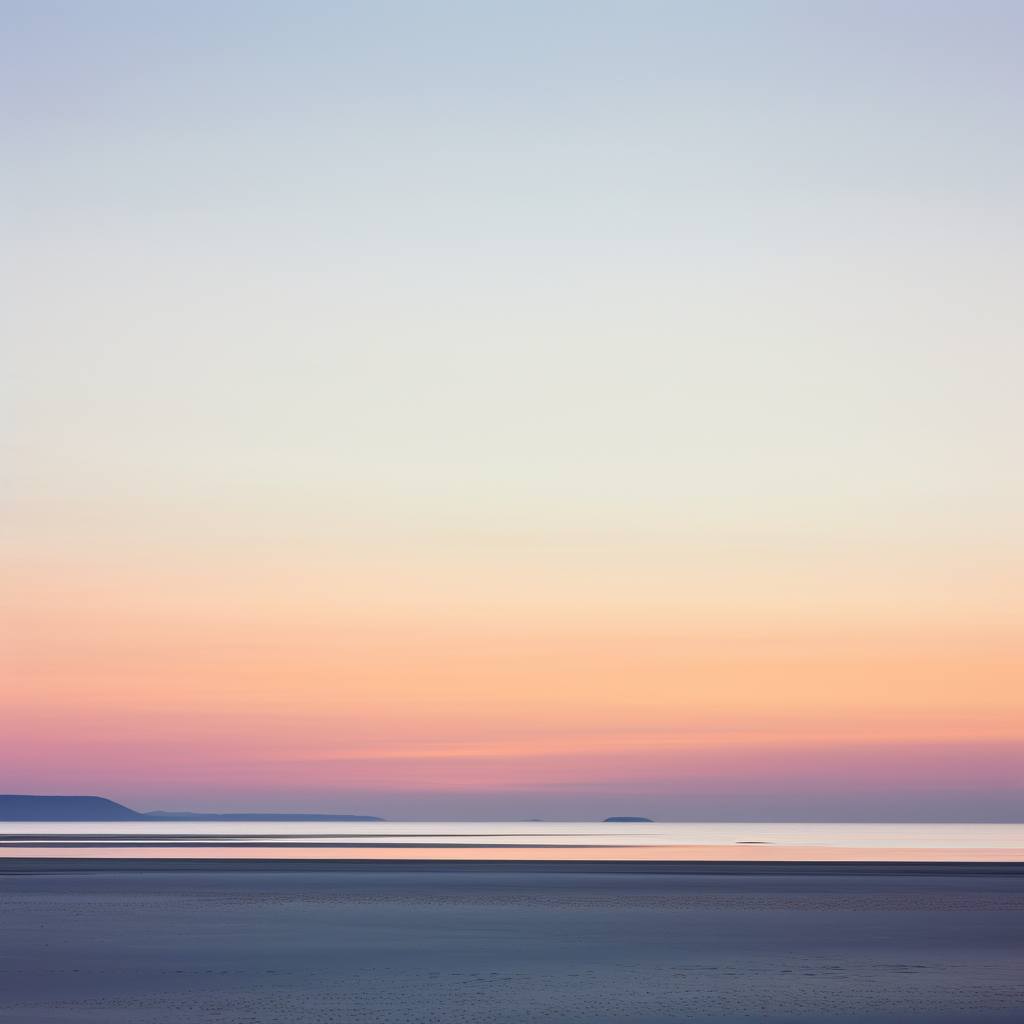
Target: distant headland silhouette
(21, 807)
(15, 807)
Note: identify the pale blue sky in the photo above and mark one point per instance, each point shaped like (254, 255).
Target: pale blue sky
(646, 274)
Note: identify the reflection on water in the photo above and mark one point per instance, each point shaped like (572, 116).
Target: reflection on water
(462, 835)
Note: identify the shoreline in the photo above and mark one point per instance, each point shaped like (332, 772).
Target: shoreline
(182, 865)
(754, 853)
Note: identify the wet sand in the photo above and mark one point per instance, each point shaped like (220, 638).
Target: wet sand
(177, 942)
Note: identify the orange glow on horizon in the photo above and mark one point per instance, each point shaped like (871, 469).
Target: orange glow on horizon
(469, 708)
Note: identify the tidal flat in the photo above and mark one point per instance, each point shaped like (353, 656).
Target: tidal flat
(505, 945)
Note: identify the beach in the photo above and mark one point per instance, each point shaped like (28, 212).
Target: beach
(300, 941)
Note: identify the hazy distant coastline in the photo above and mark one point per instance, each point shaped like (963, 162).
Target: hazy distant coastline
(17, 807)
(22, 807)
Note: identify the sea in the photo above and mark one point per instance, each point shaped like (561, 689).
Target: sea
(587, 838)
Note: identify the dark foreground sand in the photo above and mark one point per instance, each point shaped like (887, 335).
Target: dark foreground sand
(503, 946)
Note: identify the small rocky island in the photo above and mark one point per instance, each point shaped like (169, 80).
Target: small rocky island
(629, 819)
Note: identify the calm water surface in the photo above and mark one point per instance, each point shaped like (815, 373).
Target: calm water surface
(529, 833)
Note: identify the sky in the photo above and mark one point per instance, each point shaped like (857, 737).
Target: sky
(510, 410)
